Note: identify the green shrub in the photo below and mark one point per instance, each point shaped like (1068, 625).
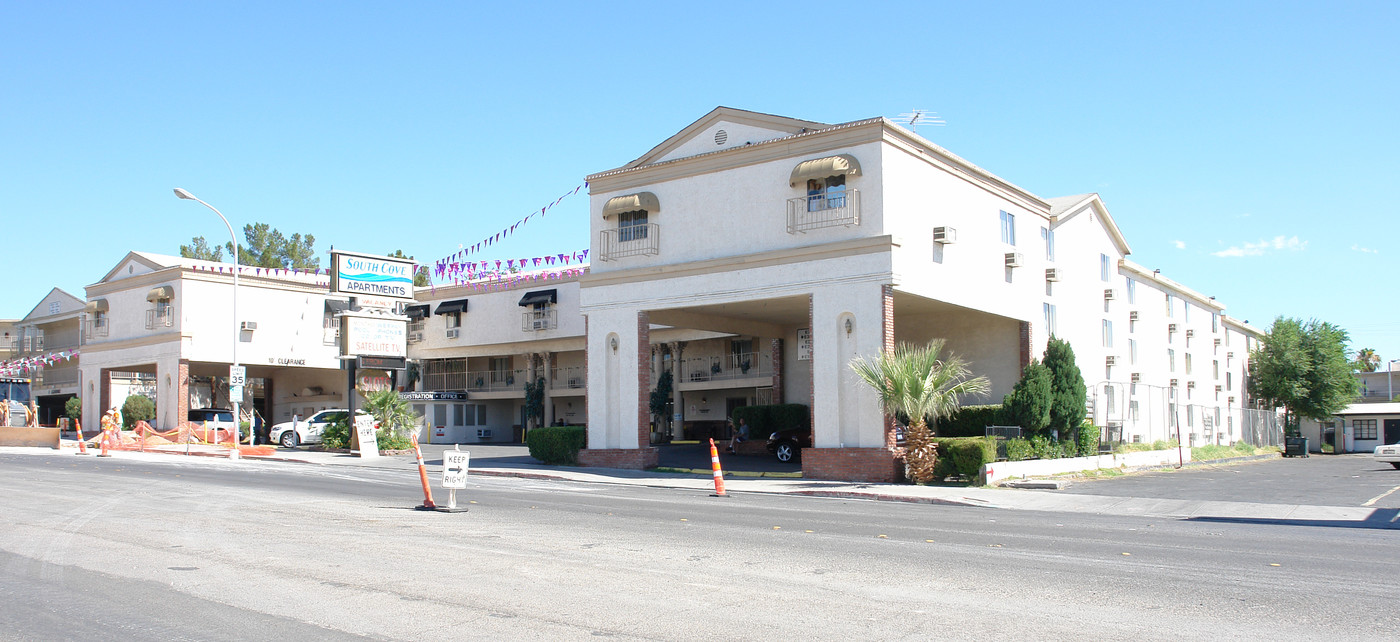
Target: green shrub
(963, 456)
(767, 419)
(1045, 448)
(73, 408)
(557, 444)
(137, 408)
(969, 421)
(1018, 449)
(336, 435)
(1088, 439)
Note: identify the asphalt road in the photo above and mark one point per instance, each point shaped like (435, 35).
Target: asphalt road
(211, 549)
(1319, 480)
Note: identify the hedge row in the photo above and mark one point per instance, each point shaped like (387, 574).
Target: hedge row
(964, 456)
(556, 445)
(970, 421)
(765, 420)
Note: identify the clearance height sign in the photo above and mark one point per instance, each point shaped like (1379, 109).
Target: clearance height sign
(366, 275)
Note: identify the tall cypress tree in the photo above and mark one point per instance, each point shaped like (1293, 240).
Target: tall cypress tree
(1067, 390)
(1028, 405)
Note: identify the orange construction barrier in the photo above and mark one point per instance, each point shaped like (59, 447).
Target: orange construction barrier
(719, 474)
(82, 445)
(423, 476)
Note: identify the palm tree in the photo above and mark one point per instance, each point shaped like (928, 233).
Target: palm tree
(913, 382)
(1367, 360)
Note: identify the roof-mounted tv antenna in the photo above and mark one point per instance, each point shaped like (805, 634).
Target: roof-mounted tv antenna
(917, 117)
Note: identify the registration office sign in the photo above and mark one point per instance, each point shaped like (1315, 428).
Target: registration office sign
(370, 276)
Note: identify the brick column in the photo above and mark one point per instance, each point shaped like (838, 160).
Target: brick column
(775, 349)
(887, 344)
(677, 399)
(643, 379)
(1025, 345)
(104, 392)
(548, 416)
(182, 395)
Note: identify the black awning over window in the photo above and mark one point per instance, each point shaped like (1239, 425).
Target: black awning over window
(451, 307)
(333, 306)
(540, 296)
(417, 311)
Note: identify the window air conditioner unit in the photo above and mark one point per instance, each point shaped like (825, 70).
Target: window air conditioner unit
(1110, 360)
(1109, 294)
(1013, 259)
(1217, 343)
(945, 235)
(1229, 355)
(248, 325)
(1174, 383)
(1171, 327)
(1052, 274)
(1136, 377)
(1190, 384)
(453, 332)
(1190, 333)
(1218, 388)
(1230, 399)
(1133, 316)
(483, 433)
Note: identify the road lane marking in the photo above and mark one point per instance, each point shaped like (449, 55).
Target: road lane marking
(1373, 500)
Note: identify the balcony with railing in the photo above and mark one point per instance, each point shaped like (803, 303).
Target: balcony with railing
(573, 378)
(630, 240)
(57, 378)
(162, 317)
(828, 209)
(728, 368)
(496, 380)
(98, 327)
(9, 348)
(539, 319)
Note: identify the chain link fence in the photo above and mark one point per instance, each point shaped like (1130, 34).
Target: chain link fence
(1140, 413)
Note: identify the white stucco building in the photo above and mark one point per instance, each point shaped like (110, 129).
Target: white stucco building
(163, 326)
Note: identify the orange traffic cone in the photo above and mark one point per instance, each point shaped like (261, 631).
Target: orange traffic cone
(82, 446)
(423, 476)
(719, 474)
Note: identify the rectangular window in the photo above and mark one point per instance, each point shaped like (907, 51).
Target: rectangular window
(1188, 363)
(453, 320)
(1133, 409)
(1131, 288)
(1103, 267)
(1109, 402)
(1229, 382)
(1363, 429)
(1008, 228)
(1186, 312)
(1049, 319)
(1214, 369)
(632, 226)
(481, 415)
(1170, 311)
(1107, 333)
(1171, 360)
(1215, 322)
(1048, 235)
(53, 307)
(1132, 351)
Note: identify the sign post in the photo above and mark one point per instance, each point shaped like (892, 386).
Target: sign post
(454, 476)
(372, 332)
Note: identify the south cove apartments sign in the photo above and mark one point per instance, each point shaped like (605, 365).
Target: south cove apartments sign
(374, 280)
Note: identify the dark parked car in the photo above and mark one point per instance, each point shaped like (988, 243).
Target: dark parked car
(787, 445)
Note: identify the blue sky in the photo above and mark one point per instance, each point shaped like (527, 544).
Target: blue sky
(1245, 149)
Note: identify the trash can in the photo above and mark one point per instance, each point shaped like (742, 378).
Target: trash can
(1295, 446)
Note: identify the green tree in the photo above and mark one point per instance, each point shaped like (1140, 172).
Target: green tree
(73, 408)
(911, 381)
(1028, 405)
(264, 246)
(394, 414)
(137, 408)
(1067, 392)
(1303, 368)
(200, 249)
(534, 400)
(1367, 360)
(420, 274)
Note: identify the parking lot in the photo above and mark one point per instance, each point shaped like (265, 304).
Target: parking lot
(1319, 480)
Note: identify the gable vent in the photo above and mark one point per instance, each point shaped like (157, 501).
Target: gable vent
(721, 137)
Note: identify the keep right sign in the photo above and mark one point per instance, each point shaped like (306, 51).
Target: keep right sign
(454, 469)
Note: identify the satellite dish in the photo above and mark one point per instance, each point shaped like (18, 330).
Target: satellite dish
(917, 117)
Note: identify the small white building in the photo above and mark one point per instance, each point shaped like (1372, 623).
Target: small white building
(163, 326)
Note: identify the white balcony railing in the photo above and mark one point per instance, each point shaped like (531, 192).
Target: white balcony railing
(729, 367)
(574, 378)
(98, 327)
(159, 318)
(823, 210)
(632, 240)
(496, 380)
(538, 320)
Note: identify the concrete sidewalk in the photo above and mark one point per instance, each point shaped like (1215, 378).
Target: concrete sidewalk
(513, 461)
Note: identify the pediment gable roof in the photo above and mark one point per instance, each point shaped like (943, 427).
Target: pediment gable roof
(780, 126)
(67, 304)
(151, 262)
(1064, 208)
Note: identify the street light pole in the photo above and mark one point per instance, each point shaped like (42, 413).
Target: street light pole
(237, 329)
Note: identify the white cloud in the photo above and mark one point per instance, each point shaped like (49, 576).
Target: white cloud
(1364, 250)
(1180, 245)
(1290, 243)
